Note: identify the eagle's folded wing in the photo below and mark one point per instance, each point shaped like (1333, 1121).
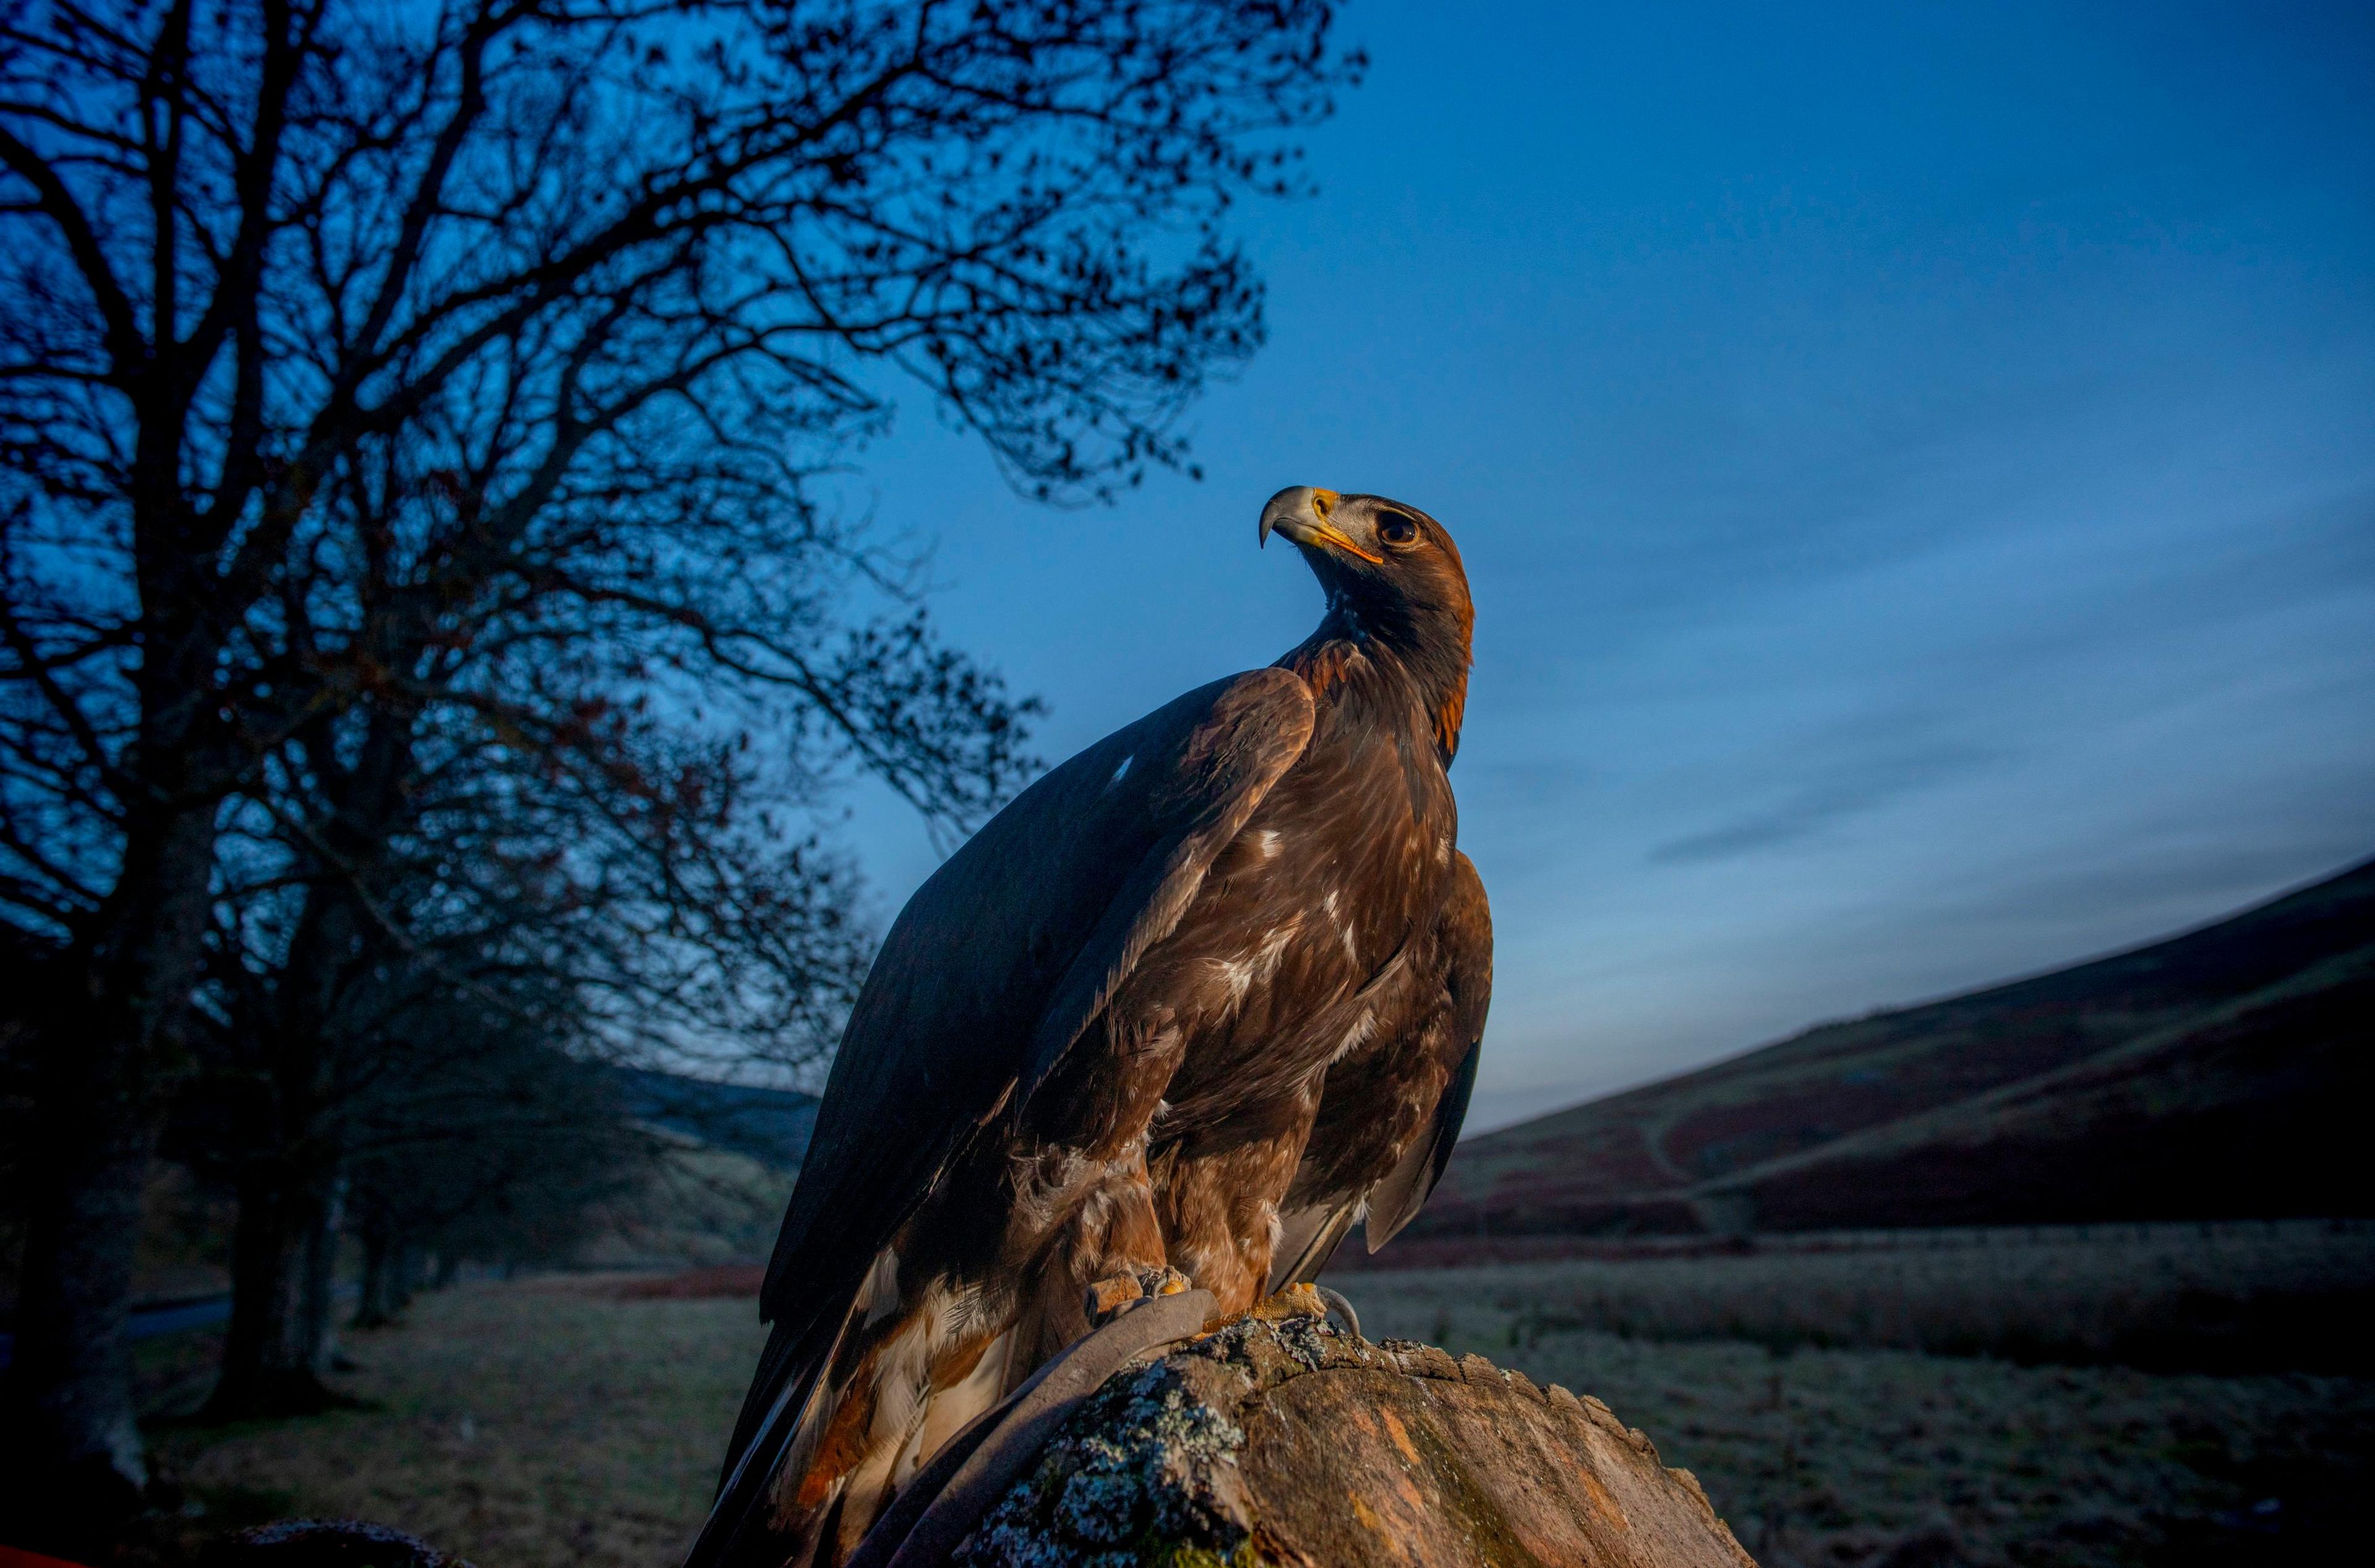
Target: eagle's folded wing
(1465, 931)
(989, 974)
(1434, 1051)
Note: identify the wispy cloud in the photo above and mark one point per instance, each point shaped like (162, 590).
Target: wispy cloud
(1843, 788)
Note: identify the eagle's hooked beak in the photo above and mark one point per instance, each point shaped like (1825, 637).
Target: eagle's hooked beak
(1300, 512)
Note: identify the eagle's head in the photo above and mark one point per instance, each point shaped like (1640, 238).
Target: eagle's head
(1392, 567)
(1391, 574)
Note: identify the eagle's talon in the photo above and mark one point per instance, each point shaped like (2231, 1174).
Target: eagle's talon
(1340, 1307)
(1116, 1293)
(1112, 1296)
(1295, 1300)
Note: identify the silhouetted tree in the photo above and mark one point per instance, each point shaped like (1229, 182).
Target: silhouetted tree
(546, 304)
(607, 890)
(483, 1135)
(519, 1174)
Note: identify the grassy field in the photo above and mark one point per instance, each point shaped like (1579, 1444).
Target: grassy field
(2290, 1296)
(1895, 1457)
(553, 1422)
(524, 1425)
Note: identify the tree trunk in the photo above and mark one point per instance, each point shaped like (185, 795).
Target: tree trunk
(76, 1432)
(269, 1350)
(108, 1055)
(317, 1334)
(278, 1344)
(383, 1265)
(406, 1281)
(1281, 1441)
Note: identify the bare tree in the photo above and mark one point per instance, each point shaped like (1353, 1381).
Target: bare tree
(457, 1101)
(543, 303)
(506, 1152)
(613, 870)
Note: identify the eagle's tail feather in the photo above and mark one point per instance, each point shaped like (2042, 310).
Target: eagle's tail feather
(1307, 1238)
(920, 1383)
(852, 1417)
(740, 1531)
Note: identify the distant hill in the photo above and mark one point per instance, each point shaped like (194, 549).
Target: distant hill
(771, 1126)
(2226, 1073)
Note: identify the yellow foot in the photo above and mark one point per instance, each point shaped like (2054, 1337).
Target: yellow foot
(1116, 1293)
(1307, 1301)
(1295, 1300)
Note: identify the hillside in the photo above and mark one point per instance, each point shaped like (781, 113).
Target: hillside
(2220, 1073)
(771, 1126)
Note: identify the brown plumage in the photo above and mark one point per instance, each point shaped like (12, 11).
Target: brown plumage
(1181, 1013)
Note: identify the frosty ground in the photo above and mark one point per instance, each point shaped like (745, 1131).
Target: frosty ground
(559, 1421)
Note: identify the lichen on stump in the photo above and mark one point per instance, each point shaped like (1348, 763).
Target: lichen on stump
(1282, 1441)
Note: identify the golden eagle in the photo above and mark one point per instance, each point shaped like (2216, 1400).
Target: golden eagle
(1185, 1009)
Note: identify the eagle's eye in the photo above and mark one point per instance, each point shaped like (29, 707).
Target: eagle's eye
(1396, 529)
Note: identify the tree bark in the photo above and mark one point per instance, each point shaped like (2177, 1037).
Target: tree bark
(282, 1333)
(381, 1296)
(317, 1329)
(77, 1433)
(405, 1281)
(328, 1543)
(109, 1053)
(272, 1348)
(279, 1343)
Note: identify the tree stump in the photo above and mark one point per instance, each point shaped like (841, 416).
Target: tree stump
(1281, 1440)
(327, 1543)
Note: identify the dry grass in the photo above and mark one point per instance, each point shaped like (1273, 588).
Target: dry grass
(2225, 1298)
(554, 1422)
(1887, 1457)
(528, 1425)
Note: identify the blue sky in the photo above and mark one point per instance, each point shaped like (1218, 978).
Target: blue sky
(1916, 467)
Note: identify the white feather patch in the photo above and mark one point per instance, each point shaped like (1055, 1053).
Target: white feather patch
(1357, 1035)
(880, 1290)
(1238, 975)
